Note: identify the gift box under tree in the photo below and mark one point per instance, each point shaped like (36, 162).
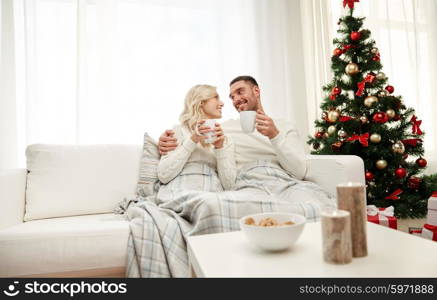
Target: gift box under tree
(429, 230)
(382, 216)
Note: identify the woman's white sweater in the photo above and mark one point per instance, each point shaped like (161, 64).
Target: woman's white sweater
(222, 159)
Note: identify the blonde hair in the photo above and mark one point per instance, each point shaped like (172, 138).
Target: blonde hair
(193, 112)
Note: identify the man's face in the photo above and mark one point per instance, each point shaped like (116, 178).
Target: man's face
(244, 96)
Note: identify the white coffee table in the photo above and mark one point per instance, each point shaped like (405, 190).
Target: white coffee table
(391, 253)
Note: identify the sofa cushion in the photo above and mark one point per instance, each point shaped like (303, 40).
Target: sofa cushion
(64, 245)
(148, 182)
(69, 180)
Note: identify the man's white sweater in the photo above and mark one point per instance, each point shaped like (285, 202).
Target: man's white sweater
(286, 149)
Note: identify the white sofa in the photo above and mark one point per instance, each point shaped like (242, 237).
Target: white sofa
(56, 216)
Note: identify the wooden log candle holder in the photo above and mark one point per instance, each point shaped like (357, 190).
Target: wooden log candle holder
(336, 236)
(351, 197)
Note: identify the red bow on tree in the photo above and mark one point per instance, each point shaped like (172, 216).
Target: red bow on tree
(345, 48)
(345, 119)
(362, 84)
(363, 139)
(349, 3)
(416, 125)
(411, 142)
(394, 195)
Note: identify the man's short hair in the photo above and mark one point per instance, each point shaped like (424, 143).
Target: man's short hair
(245, 78)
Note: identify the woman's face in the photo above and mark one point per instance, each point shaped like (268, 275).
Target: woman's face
(212, 108)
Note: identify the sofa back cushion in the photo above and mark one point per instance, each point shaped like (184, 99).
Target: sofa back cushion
(69, 180)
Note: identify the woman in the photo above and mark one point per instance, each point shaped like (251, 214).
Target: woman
(195, 164)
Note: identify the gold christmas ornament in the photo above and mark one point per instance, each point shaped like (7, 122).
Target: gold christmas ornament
(324, 115)
(398, 147)
(370, 101)
(352, 69)
(331, 130)
(390, 113)
(333, 115)
(326, 135)
(375, 138)
(380, 76)
(374, 50)
(381, 164)
(364, 119)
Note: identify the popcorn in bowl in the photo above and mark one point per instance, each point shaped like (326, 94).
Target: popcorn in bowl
(267, 222)
(273, 231)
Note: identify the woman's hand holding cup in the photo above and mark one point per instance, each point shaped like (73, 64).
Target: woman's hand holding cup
(220, 137)
(200, 131)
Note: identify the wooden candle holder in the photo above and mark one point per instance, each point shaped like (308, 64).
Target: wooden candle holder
(336, 236)
(352, 198)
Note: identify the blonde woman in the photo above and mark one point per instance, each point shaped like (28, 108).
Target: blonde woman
(195, 164)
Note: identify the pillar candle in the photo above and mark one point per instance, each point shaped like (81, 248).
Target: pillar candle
(352, 198)
(336, 236)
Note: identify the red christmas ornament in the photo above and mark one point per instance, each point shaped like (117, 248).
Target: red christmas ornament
(414, 182)
(396, 118)
(336, 90)
(334, 93)
(390, 89)
(377, 57)
(400, 173)
(318, 135)
(369, 176)
(421, 162)
(380, 117)
(355, 35)
(338, 52)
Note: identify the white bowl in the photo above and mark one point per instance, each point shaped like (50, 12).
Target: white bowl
(273, 238)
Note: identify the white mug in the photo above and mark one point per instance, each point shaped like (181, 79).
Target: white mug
(247, 120)
(210, 138)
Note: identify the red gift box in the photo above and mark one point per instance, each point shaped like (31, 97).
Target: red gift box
(429, 232)
(382, 216)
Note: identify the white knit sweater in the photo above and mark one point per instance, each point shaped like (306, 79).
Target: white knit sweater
(286, 149)
(222, 159)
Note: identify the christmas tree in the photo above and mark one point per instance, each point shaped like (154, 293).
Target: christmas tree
(363, 116)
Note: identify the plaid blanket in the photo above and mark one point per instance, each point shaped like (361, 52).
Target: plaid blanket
(159, 225)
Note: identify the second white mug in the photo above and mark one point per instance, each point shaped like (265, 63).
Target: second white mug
(247, 120)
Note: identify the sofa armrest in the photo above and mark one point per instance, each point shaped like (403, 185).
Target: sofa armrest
(12, 194)
(330, 170)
